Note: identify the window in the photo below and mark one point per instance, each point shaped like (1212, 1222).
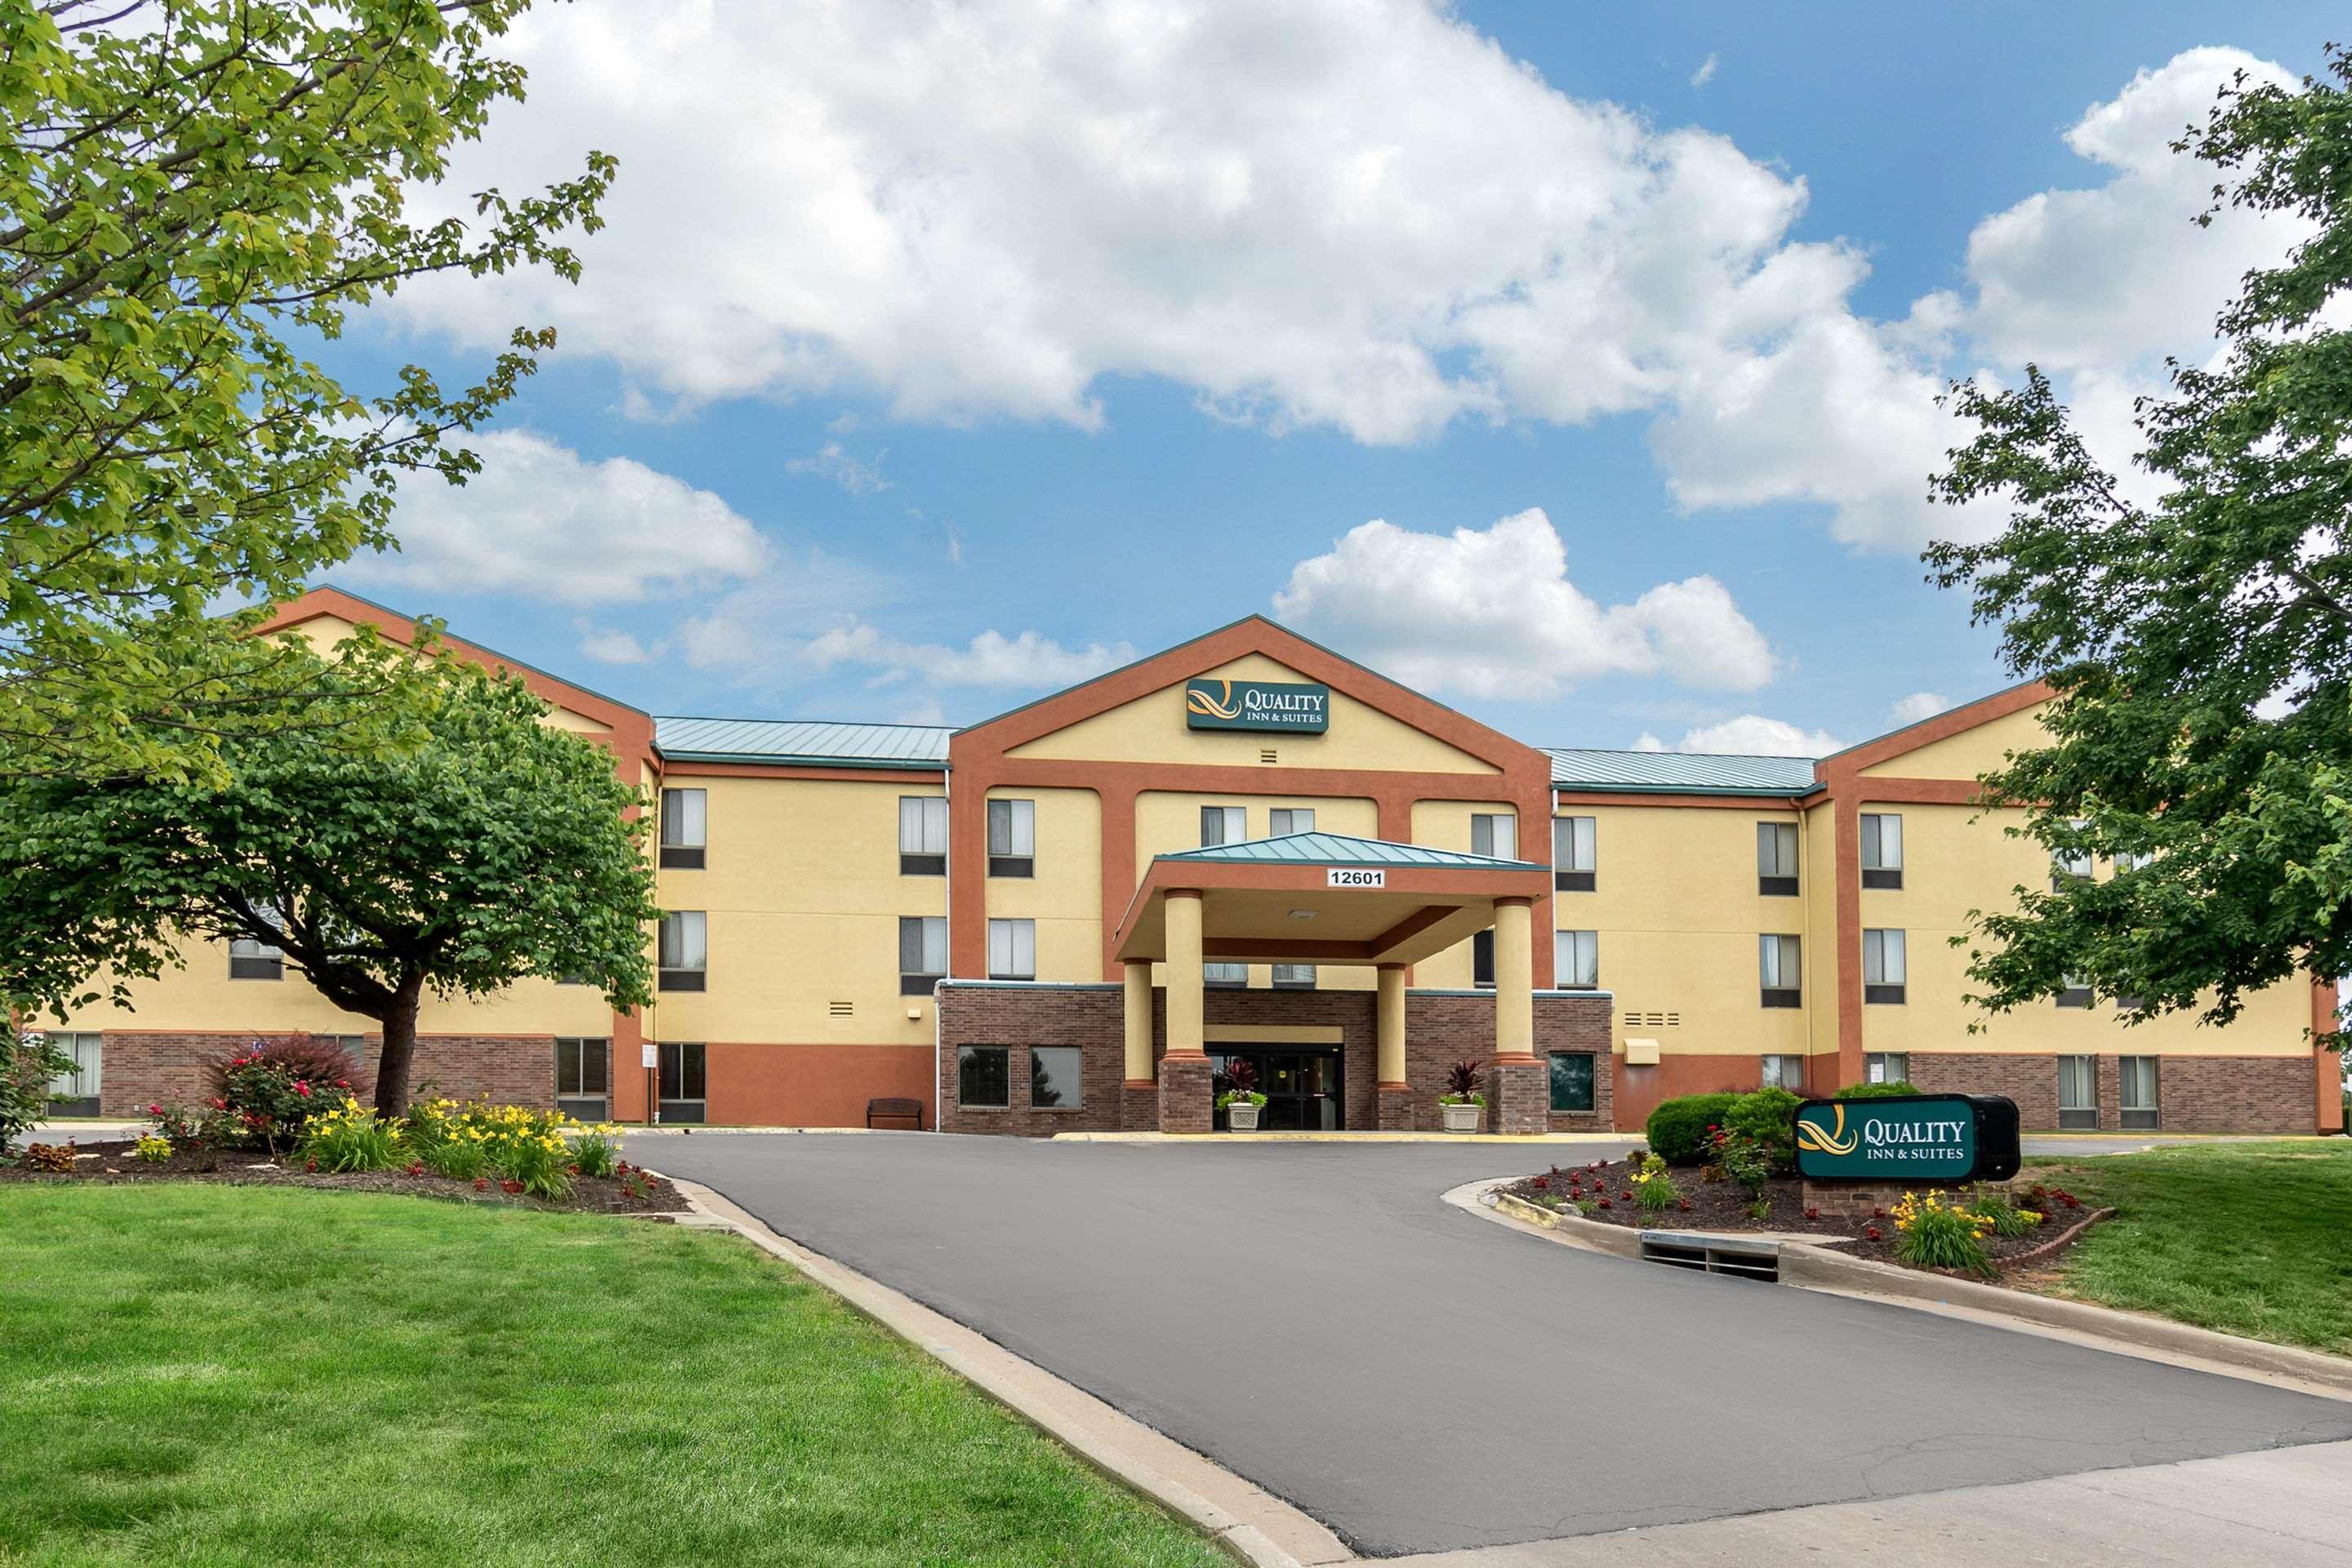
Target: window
(1055, 1081)
(583, 1077)
(1225, 975)
(1223, 824)
(1882, 966)
(1571, 854)
(1882, 850)
(2077, 993)
(984, 1076)
(252, 959)
(922, 953)
(682, 1088)
(2078, 1091)
(1576, 960)
(682, 829)
(685, 952)
(2134, 862)
(75, 1090)
(1776, 859)
(2137, 1096)
(1571, 1081)
(1012, 837)
(1012, 950)
(352, 1045)
(1496, 834)
(2065, 866)
(1785, 1072)
(1887, 1067)
(1293, 977)
(1780, 971)
(1482, 959)
(1290, 819)
(922, 835)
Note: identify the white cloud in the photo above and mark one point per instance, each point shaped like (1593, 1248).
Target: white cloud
(831, 462)
(542, 522)
(608, 645)
(1706, 72)
(1918, 706)
(991, 658)
(1491, 613)
(1750, 735)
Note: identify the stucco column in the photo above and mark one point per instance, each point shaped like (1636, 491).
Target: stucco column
(1394, 1097)
(1515, 1008)
(1182, 906)
(1139, 1023)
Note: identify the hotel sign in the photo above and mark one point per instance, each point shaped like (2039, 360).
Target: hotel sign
(1908, 1138)
(1216, 704)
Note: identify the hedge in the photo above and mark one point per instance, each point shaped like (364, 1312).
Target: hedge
(1874, 1091)
(1678, 1128)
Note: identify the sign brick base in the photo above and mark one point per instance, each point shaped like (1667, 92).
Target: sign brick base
(1854, 1200)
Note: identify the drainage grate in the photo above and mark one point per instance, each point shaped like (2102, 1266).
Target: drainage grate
(1713, 1254)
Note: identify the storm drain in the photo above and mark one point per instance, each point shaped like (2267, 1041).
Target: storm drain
(1713, 1254)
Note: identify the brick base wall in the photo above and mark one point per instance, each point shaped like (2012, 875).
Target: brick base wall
(1441, 1028)
(143, 1068)
(2193, 1094)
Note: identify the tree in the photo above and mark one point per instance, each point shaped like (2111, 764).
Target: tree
(2200, 645)
(499, 848)
(193, 193)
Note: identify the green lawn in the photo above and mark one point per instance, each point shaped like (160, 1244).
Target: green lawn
(194, 1374)
(2249, 1238)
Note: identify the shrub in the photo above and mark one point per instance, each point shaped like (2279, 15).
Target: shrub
(27, 1062)
(349, 1137)
(1931, 1234)
(55, 1158)
(538, 1164)
(1874, 1091)
(1677, 1128)
(1653, 1189)
(175, 1121)
(2005, 1218)
(152, 1148)
(271, 1090)
(1743, 1159)
(1462, 1085)
(1768, 1119)
(597, 1150)
(463, 1159)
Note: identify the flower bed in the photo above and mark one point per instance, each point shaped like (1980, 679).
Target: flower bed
(1609, 1192)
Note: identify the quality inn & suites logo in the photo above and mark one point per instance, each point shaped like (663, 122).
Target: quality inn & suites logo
(1216, 702)
(1921, 1138)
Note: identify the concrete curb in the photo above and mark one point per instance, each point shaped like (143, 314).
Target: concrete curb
(1245, 1140)
(1246, 1520)
(1814, 1268)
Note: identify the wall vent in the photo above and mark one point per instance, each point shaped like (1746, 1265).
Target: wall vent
(1267, 754)
(1654, 1020)
(842, 1009)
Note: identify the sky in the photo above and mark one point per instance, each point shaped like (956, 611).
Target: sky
(1575, 366)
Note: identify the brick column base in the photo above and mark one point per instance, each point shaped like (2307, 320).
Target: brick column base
(1852, 1200)
(1184, 1100)
(1396, 1108)
(1518, 1096)
(1139, 1106)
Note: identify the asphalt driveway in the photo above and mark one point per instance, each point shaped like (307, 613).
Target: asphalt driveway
(1313, 1317)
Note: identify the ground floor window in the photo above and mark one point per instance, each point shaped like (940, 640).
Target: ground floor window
(352, 1045)
(1054, 1083)
(984, 1076)
(1785, 1072)
(583, 1078)
(74, 1091)
(684, 1090)
(1887, 1067)
(2138, 1097)
(1482, 959)
(1571, 1081)
(2078, 1091)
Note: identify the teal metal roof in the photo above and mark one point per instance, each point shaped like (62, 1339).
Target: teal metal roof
(809, 742)
(1338, 849)
(1680, 773)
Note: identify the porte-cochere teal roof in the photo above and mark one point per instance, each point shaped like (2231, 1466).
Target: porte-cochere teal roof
(1340, 849)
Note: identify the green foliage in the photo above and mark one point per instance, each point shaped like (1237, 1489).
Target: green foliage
(1678, 1128)
(495, 849)
(597, 1150)
(1227, 1100)
(269, 1092)
(192, 193)
(56, 1159)
(1932, 1233)
(1653, 1189)
(348, 1137)
(152, 1149)
(2004, 1216)
(1745, 1160)
(2168, 628)
(1768, 1120)
(1874, 1091)
(27, 1063)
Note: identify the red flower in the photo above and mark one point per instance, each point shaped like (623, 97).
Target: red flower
(416, 1167)
(481, 1184)
(510, 1186)
(1604, 1203)
(343, 1083)
(1686, 1205)
(1812, 1213)
(155, 1110)
(1872, 1233)
(301, 1089)
(1878, 1214)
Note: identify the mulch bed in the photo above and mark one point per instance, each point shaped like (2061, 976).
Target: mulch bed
(112, 1160)
(1723, 1206)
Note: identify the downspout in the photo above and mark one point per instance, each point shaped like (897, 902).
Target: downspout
(1804, 838)
(947, 790)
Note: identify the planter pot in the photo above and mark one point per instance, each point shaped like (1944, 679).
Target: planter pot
(1240, 1117)
(1462, 1118)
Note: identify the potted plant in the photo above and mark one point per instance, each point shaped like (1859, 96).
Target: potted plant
(1461, 1105)
(1236, 1085)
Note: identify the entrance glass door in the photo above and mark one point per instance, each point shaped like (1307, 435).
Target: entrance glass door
(1302, 1088)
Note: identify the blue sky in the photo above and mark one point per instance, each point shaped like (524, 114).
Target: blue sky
(1097, 334)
